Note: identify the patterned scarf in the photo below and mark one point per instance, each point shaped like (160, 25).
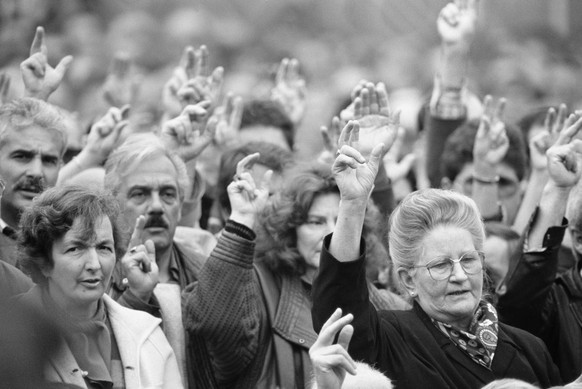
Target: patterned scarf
(480, 341)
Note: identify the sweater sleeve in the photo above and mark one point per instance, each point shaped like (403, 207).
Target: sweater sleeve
(224, 307)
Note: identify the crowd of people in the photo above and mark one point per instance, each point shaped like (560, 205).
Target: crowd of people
(189, 246)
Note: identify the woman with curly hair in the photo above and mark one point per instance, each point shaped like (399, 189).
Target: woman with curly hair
(250, 309)
(69, 241)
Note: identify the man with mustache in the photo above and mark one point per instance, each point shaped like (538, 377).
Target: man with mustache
(151, 183)
(32, 143)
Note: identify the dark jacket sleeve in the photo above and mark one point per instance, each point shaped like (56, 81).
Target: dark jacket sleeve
(527, 303)
(343, 285)
(437, 132)
(225, 307)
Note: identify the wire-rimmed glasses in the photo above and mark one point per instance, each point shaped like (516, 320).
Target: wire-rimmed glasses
(441, 268)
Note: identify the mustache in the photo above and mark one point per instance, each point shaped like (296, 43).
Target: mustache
(32, 184)
(155, 221)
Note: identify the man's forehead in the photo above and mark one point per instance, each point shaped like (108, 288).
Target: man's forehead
(33, 139)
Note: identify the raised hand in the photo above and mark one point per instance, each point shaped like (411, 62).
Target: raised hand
(491, 142)
(41, 79)
(457, 21)
(554, 123)
(188, 134)
(378, 123)
(248, 198)
(139, 263)
(332, 361)
(227, 119)
(120, 87)
(4, 88)
(290, 90)
(565, 156)
(105, 135)
(354, 174)
(201, 85)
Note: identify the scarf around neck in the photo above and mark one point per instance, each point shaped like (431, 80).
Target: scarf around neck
(480, 341)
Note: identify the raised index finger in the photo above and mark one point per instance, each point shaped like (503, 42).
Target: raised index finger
(38, 45)
(136, 236)
(246, 163)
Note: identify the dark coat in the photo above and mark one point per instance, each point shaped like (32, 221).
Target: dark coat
(409, 349)
(547, 306)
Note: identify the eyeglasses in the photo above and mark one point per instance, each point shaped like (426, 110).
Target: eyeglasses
(441, 268)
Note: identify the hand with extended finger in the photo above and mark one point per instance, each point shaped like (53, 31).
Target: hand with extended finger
(105, 134)
(188, 134)
(354, 174)
(457, 21)
(565, 156)
(290, 90)
(378, 124)
(247, 197)
(139, 264)
(41, 79)
(120, 87)
(227, 119)
(554, 122)
(201, 85)
(491, 142)
(331, 360)
(170, 100)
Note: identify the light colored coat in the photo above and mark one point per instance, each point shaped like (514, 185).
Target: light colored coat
(147, 358)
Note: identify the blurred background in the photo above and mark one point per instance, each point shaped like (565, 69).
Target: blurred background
(526, 50)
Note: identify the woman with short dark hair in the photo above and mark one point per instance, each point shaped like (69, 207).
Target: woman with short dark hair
(69, 242)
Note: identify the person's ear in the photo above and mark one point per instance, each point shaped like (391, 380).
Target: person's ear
(407, 281)
(46, 271)
(446, 183)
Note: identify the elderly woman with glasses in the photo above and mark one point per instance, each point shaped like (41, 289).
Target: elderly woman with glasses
(452, 337)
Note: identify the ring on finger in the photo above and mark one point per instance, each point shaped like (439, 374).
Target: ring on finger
(133, 250)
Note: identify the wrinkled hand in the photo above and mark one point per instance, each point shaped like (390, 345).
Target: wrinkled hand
(290, 90)
(491, 142)
(188, 134)
(378, 124)
(120, 87)
(227, 119)
(353, 174)
(4, 88)
(396, 168)
(139, 263)
(332, 361)
(248, 198)
(565, 156)
(201, 84)
(105, 133)
(40, 79)
(457, 21)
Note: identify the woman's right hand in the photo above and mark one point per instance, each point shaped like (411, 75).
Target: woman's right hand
(247, 198)
(353, 174)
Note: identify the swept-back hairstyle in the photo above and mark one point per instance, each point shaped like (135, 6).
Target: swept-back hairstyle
(422, 211)
(25, 112)
(52, 215)
(136, 149)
